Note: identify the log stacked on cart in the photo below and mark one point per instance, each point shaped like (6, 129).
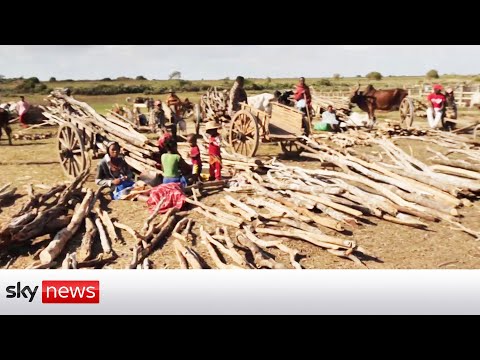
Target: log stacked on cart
(214, 104)
(140, 152)
(341, 105)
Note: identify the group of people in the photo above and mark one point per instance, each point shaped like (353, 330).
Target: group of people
(114, 172)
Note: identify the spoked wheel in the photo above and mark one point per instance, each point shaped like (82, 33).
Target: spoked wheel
(291, 148)
(244, 135)
(71, 150)
(407, 113)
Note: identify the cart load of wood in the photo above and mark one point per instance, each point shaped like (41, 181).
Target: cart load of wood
(341, 105)
(214, 104)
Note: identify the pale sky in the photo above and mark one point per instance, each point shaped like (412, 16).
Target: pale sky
(219, 61)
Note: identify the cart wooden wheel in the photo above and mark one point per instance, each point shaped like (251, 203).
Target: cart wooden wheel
(291, 148)
(407, 112)
(244, 136)
(476, 131)
(71, 150)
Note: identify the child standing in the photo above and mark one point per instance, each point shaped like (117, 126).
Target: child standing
(214, 153)
(195, 157)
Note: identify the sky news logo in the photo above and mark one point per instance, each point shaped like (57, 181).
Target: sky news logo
(58, 292)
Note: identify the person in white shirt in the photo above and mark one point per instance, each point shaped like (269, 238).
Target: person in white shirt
(329, 117)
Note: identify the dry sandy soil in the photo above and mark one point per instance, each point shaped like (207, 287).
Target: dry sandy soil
(399, 247)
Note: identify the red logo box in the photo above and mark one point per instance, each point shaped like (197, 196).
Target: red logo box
(70, 292)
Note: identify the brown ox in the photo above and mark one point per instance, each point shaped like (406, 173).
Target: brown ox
(372, 99)
(4, 119)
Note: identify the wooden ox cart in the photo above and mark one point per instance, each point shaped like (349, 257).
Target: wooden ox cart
(249, 127)
(82, 131)
(412, 108)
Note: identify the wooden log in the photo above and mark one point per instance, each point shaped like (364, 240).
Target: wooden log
(102, 234)
(258, 256)
(56, 246)
(453, 171)
(292, 253)
(277, 207)
(230, 252)
(216, 260)
(188, 254)
(107, 222)
(458, 164)
(161, 235)
(216, 211)
(252, 213)
(217, 218)
(316, 239)
(236, 210)
(332, 224)
(85, 251)
(406, 220)
(135, 234)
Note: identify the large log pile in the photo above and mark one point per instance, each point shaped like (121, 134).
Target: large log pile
(342, 105)
(214, 104)
(140, 152)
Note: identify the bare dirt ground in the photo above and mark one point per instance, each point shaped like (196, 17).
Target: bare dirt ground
(399, 247)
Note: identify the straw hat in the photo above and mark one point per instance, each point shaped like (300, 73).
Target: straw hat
(212, 125)
(449, 90)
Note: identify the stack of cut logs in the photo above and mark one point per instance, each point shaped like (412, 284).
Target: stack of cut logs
(341, 105)
(20, 136)
(214, 103)
(140, 152)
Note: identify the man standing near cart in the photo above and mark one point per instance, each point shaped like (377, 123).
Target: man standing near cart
(237, 96)
(436, 106)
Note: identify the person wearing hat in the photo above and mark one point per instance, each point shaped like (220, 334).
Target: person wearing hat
(237, 96)
(214, 150)
(436, 106)
(114, 172)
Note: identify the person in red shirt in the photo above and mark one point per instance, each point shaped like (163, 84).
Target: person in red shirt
(436, 109)
(214, 152)
(195, 157)
(303, 93)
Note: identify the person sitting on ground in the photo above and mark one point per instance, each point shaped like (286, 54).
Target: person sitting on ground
(436, 108)
(329, 119)
(214, 150)
(172, 164)
(195, 158)
(237, 96)
(114, 172)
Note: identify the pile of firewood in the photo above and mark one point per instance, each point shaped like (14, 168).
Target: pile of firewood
(20, 136)
(214, 103)
(341, 105)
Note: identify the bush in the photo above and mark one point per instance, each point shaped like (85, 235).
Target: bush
(123, 78)
(323, 82)
(106, 79)
(432, 74)
(374, 75)
(52, 79)
(336, 76)
(140, 77)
